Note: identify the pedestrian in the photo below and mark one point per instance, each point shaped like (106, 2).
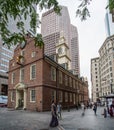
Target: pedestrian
(105, 113)
(59, 108)
(95, 108)
(54, 120)
(111, 111)
(83, 109)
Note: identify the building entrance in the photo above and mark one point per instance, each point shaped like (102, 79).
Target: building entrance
(20, 98)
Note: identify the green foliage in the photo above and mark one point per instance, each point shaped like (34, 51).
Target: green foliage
(82, 10)
(17, 10)
(111, 5)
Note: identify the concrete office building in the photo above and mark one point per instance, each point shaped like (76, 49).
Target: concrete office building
(106, 59)
(109, 22)
(51, 27)
(95, 79)
(75, 60)
(52, 24)
(5, 56)
(102, 70)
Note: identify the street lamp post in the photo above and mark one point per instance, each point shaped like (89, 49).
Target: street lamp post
(78, 95)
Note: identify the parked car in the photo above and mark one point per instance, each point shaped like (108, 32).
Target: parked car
(3, 101)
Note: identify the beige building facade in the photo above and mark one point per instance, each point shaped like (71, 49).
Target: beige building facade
(102, 70)
(106, 59)
(95, 79)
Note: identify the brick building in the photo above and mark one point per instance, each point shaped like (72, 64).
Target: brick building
(35, 80)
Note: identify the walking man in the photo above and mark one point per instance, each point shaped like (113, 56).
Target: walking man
(59, 108)
(95, 108)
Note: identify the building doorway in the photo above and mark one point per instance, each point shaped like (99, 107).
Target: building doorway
(20, 98)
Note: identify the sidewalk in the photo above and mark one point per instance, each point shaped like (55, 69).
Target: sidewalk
(73, 120)
(25, 120)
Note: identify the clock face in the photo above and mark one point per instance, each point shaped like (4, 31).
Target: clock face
(60, 50)
(23, 44)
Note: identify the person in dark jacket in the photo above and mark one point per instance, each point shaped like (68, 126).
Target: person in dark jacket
(95, 108)
(54, 120)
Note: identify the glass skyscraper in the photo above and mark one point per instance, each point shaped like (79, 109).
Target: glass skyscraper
(109, 24)
(51, 27)
(6, 54)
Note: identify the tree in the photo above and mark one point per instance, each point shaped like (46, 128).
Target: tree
(82, 10)
(19, 9)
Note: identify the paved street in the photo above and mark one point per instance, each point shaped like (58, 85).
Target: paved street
(24, 120)
(75, 121)
(27, 120)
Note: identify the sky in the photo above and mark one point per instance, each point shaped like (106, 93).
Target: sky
(91, 32)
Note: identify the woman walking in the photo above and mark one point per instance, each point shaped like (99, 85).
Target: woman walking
(95, 108)
(54, 120)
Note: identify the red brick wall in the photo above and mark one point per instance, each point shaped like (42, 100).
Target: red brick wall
(37, 105)
(28, 61)
(43, 83)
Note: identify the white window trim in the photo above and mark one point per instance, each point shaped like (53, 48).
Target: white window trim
(20, 74)
(33, 54)
(31, 96)
(12, 78)
(53, 70)
(31, 72)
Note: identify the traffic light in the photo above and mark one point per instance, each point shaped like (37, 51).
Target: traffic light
(18, 59)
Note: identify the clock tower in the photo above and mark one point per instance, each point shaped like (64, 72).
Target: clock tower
(63, 54)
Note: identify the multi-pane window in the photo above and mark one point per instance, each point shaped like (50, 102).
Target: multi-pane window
(22, 54)
(70, 81)
(53, 73)
(33, 54)
(32, 95)
(53, 94)
(74, 98)
(60, 96)
(60, 77)
(110, 68)
(13, 78)
(21, 74)
(33, 71)
(96, 89)
(74, 84)
(66, 80)
(66, 96)
(70, 97)
(12, 96)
